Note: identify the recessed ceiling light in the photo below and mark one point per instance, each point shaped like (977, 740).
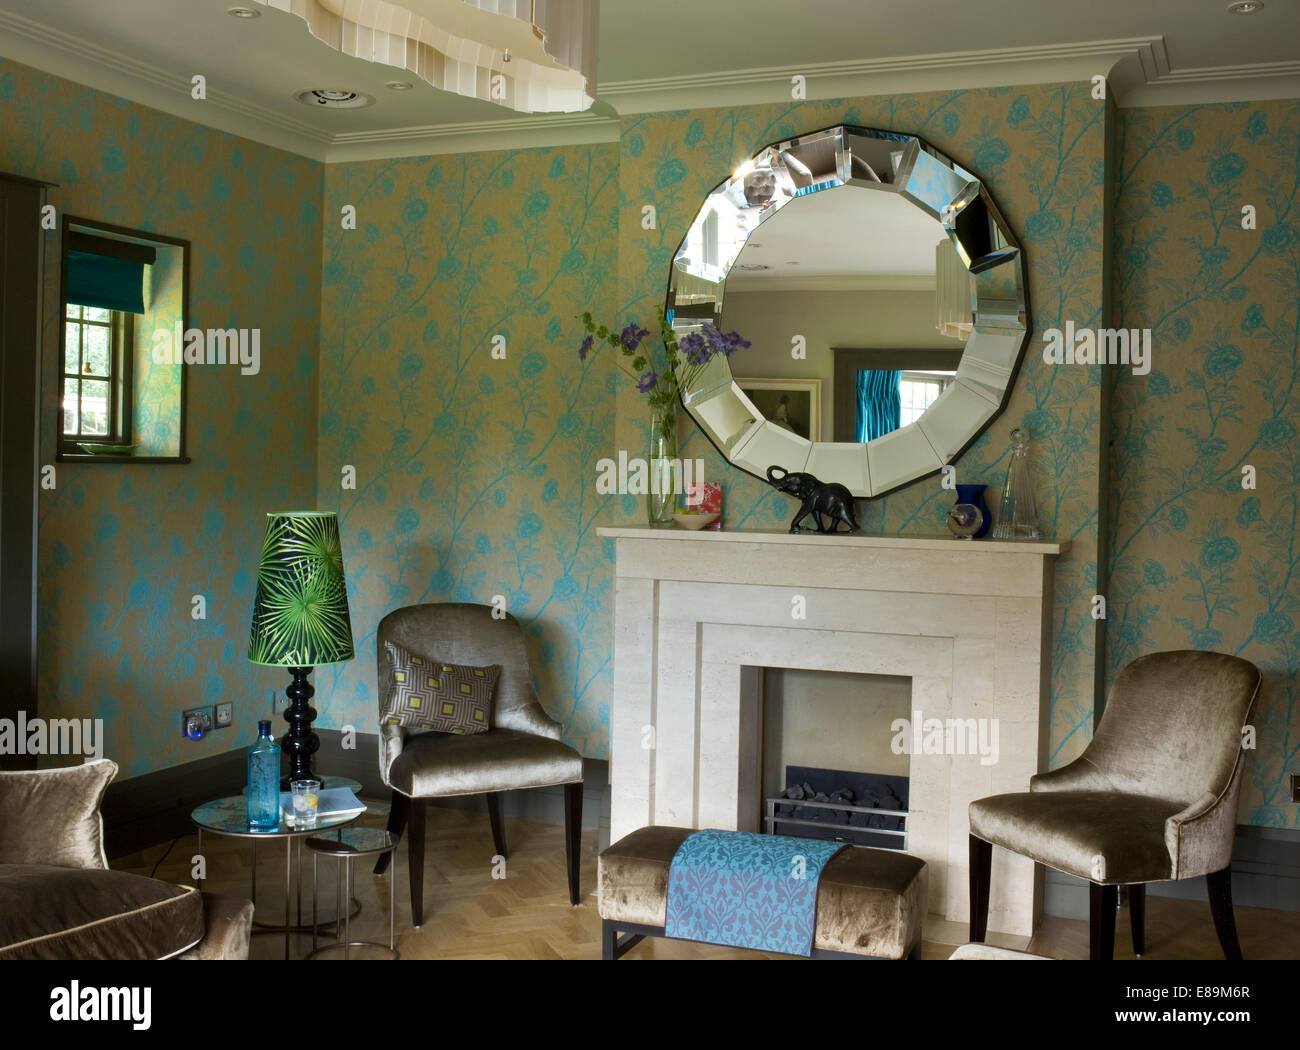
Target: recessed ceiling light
(398, 85)
(243, 12)
(330, 98)
(1245, 7)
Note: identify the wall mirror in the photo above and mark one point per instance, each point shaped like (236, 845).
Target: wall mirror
(885, 298)
(125, 293)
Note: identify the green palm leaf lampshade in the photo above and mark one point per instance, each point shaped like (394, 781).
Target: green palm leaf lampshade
(300, 615)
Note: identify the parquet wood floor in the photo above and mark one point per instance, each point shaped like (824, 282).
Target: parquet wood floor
(526, 915)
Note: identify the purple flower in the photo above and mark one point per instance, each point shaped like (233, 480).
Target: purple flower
(702, 346)
(647, 382)
(726, 343)
(631, 335)
(694, 349)
(585, 348)
(733, 342)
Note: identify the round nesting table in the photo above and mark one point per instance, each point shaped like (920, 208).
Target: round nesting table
(347, 846)
(229, 817)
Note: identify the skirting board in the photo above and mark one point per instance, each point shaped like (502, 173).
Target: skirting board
(1265, 874)
(156, 807)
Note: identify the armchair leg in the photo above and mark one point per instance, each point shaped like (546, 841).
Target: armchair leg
(498, 829)
(396, 825)
(981, 864)
(415, 852)
(1219, 884)
(1101, 921)
(573, 835)
(1137, 915)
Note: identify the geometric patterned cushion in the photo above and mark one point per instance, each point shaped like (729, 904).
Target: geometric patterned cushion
(429, 694)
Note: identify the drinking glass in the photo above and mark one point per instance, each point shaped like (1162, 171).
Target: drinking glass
(305, 798)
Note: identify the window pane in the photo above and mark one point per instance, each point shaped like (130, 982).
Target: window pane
(94, 313)
(71, 388)
(74, 311)
(94, 407)
(71, 352)
(915, 396)
(97, 344)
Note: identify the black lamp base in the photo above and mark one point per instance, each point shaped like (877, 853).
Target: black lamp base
(300, 743)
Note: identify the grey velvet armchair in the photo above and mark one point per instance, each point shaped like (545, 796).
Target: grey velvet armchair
(522, 749)
(1152, 798)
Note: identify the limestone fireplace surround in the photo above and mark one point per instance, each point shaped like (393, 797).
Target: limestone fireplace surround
(699, 614)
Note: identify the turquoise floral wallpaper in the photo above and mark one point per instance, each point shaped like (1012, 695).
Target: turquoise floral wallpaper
(1199, 559)
(1041, 150)
(451, 385)
(123, 549)
(420, 376)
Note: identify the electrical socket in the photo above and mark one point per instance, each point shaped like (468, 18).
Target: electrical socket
(1295, 787)
(195, 723)
(223, 715)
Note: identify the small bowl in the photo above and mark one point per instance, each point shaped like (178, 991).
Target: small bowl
(694, 520)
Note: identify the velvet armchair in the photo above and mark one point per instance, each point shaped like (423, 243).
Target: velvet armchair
(1153, 797)
(521, 750)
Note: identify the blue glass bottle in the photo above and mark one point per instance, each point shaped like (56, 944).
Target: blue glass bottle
(264, 779)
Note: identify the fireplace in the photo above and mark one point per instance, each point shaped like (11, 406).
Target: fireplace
(698, 615)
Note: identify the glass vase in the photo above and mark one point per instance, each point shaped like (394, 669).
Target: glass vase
(665, 471)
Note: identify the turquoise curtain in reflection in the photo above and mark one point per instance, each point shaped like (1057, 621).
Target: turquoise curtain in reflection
(880, 409)
(110, 284)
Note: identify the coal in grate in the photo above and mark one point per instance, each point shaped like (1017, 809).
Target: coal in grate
(866, 809)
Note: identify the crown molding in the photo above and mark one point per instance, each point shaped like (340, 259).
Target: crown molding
(566, 129)
(1138, 70)
(1155, 83)
(104, 70)
(949, 70)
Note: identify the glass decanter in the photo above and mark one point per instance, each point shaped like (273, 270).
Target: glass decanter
(1017, 519)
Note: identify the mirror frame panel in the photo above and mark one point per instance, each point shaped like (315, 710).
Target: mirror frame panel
(877, 161)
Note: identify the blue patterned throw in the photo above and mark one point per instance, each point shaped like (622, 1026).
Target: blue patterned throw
(747, 890)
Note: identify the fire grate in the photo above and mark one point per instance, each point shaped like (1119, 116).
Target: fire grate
(834, 816)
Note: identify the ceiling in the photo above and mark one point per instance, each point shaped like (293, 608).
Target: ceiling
(656, 55)
(819, 236)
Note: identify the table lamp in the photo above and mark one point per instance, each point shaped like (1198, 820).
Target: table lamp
(300, 616)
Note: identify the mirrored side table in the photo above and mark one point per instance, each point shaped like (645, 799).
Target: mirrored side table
(229, 817)
(348, 845)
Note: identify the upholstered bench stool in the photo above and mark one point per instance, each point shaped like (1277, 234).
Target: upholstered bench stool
(870, 902)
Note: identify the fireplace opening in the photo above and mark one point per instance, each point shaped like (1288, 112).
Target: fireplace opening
(828, 767)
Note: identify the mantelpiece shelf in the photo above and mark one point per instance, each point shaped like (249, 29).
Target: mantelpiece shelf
(856, 539)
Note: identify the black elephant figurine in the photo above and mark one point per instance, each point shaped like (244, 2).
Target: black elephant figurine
(820, 499)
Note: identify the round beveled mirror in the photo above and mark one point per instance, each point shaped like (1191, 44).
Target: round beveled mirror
(885, 298)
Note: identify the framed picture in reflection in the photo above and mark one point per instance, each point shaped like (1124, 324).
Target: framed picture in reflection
(795, 404)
